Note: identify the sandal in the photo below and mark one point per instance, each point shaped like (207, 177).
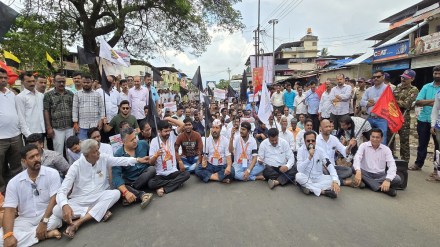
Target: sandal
(106, 216)
(70, 231)
(414, 168)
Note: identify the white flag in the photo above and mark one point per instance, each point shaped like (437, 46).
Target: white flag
(266, 108)
(107, 52)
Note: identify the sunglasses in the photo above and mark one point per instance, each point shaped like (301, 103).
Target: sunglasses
(377, 76)
(309, 141)
(125, 108)
(34, 187)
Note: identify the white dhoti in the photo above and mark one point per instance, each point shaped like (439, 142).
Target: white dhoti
(316, 185)
(25, 229)
(96, 205)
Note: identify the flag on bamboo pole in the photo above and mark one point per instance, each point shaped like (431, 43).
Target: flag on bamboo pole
(386, 107)
(104, 82)
(107, 52)
(266, 108)
(11, 60)
(231, 92)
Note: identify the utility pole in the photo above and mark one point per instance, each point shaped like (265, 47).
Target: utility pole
(273, 22)
(229, 72)
(257, 53)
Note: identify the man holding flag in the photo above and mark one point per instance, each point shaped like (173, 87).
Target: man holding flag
(369, 100)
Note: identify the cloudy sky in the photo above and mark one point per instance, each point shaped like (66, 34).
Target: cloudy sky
(341, 26)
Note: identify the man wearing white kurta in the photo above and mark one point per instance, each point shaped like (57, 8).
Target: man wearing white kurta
(286, 134)
(29, 104)
(310, 165)
(87, 178)
(32, 192)
(244, 148)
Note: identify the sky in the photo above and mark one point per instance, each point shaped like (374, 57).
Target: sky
(341, 26)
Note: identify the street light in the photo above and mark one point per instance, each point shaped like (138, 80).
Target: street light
(273, 22)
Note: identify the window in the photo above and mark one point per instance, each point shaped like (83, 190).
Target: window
(315, 43)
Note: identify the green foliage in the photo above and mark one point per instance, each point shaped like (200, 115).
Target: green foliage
(223, 84)
(324, 52)
(145, 28)
(30, 38)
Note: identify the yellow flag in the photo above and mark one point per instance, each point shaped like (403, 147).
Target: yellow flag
(49, 58)
(11, 60)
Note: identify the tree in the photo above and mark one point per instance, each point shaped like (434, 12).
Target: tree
(324, 52)
(144, 27)
(223, 84)
(30, 38)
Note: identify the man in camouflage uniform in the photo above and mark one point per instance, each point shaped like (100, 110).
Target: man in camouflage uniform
(405, 95)
(359, 92)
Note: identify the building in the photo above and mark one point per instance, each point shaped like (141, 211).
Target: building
(412, 41)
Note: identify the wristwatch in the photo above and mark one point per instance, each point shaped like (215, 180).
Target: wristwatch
(45, 220)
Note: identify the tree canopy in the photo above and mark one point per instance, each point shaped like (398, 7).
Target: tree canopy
(145, 28)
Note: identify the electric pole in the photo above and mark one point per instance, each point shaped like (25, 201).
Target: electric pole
(257, 48)
(273, 22)
(229, 72)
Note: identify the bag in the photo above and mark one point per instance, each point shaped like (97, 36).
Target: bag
(402, 171)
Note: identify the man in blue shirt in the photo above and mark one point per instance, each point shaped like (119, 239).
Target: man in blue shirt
(130, 180)
(289, 97)
(312, 102)
(426, 99)
(370, 98)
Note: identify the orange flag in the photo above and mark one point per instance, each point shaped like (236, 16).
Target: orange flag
(320, 90)
(386, 107)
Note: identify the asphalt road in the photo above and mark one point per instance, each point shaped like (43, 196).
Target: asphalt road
(249, 214)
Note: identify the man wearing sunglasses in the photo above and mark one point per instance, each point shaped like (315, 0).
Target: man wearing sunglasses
(370, 98)
(33, 193)
(123, 115)
(312, 161)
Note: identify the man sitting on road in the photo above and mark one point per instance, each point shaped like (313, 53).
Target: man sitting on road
(84, 194)
(276, 155)
(31, 192)
(131, 180)
(330, 144)
(312, 160)
(168, 178)
(370, 164)
(192, 147)
(245, 151)
(217, 162)
(73, 149)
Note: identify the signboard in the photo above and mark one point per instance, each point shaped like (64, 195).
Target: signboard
(397, 65)
(267, 63)
(170, 105)
(426, 44)
(253, 98)
(219, 93)
(389, 52)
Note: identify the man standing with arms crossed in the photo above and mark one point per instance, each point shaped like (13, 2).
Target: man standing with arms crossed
(340, 97)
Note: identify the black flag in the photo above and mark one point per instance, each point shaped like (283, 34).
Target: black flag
(7, 18)
(156, 74)
(231, 92)
(243, 88)
(104, 82)
(210, 92)
(197, 80)
(85, 57)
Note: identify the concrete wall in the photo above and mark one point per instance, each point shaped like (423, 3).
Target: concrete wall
(136, 70)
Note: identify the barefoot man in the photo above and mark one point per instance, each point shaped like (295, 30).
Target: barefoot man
(32, 192)
(90, 196)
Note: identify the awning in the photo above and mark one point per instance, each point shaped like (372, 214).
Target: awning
(370, 51)
(425, 61)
